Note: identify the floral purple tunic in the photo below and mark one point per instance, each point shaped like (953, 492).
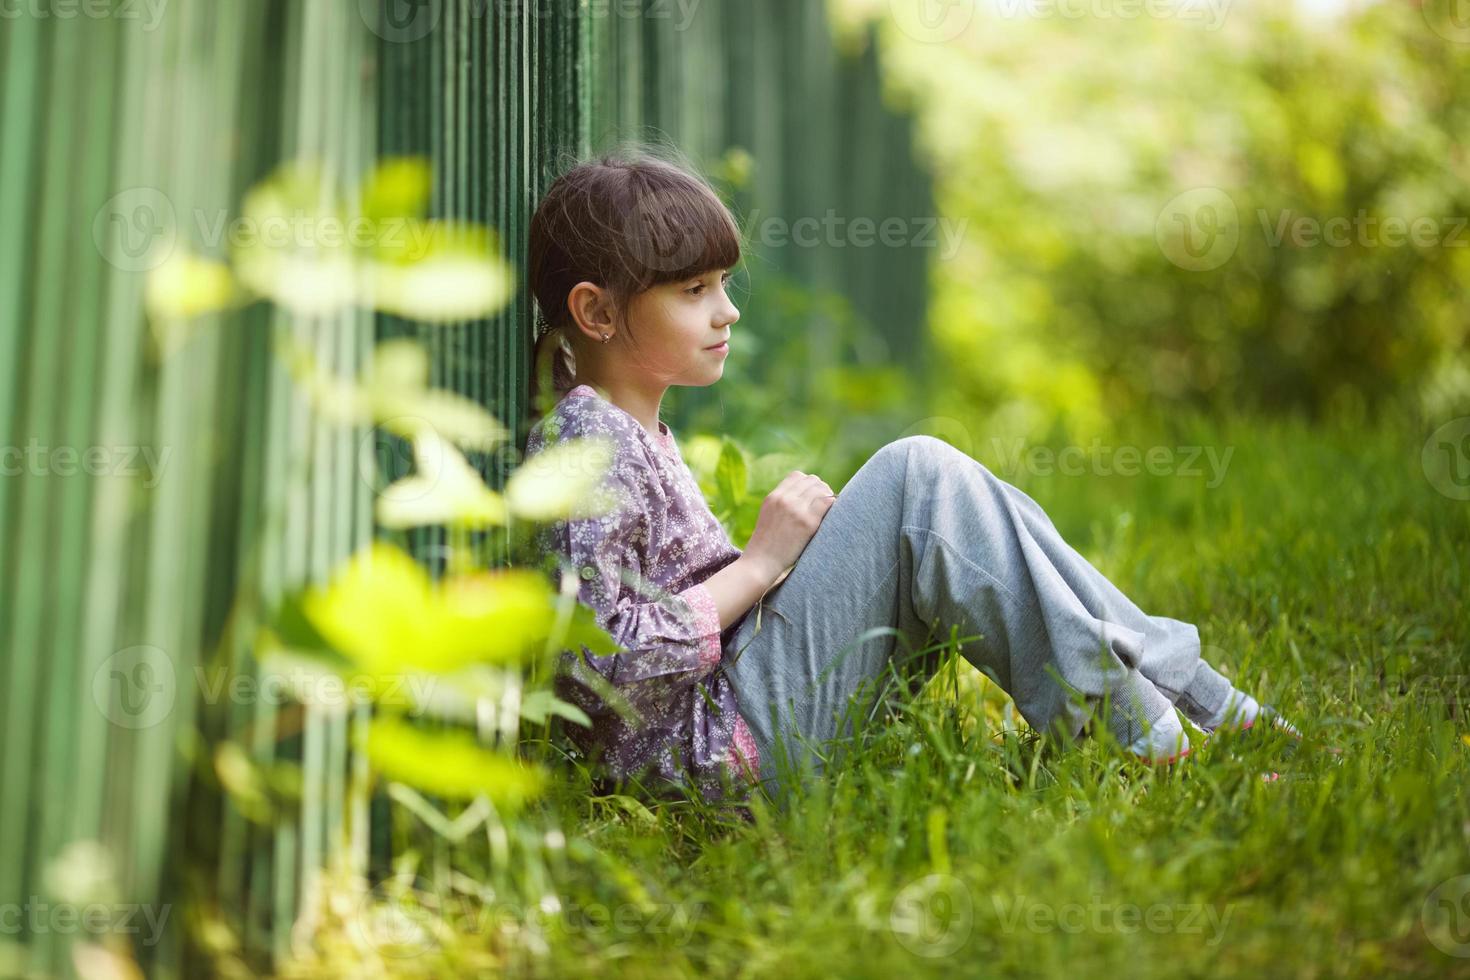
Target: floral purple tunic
(642, 571)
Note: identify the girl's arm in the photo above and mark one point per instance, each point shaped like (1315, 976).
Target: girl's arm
(668, 641)
(740, 584)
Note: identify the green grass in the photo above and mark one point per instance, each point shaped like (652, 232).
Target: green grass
(1325, 573)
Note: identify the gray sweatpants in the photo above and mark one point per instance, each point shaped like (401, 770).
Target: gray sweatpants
(923, 538)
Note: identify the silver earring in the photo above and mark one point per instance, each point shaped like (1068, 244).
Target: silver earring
(605, 338)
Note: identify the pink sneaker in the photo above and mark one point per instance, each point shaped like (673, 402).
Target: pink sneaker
(1276, 721)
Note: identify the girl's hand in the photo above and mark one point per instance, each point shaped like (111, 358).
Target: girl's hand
(789, 517)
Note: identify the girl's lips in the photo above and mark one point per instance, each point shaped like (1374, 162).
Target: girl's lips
(720, 348)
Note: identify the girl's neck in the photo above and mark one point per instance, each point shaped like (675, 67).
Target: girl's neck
(641, 403)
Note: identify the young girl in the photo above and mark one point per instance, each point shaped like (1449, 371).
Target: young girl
(730, 653)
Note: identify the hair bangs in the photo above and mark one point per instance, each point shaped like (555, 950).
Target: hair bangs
(678, 231)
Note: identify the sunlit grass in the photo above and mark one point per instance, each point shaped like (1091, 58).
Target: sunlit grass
(1325, 572)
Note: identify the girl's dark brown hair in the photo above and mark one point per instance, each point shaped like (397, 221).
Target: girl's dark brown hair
(625, 221)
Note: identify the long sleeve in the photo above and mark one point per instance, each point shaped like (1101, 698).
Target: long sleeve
(671, 640)
(629, 563)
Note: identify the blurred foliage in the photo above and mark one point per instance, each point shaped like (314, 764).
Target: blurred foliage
(455, 668)
(476, 647)
(1078, 292)
(475, 639)
(393, 393)
(304, 243)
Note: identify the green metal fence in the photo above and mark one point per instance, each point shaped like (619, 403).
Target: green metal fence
(159, 492)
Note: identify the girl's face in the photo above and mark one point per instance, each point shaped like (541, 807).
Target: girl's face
(679, 324)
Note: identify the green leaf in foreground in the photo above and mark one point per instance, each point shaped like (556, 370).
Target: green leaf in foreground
(384, 614)
(563, 481)
(451, 764)
(731, 474)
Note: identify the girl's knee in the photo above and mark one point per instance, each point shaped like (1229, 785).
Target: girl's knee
(918, 461)
(925, 450)
(914, 447)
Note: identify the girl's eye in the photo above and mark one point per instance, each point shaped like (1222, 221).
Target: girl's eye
(700, 287)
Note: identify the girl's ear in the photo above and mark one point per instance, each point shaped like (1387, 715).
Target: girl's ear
(591, 309)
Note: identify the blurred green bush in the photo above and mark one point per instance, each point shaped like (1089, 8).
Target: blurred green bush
(1167, 211)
